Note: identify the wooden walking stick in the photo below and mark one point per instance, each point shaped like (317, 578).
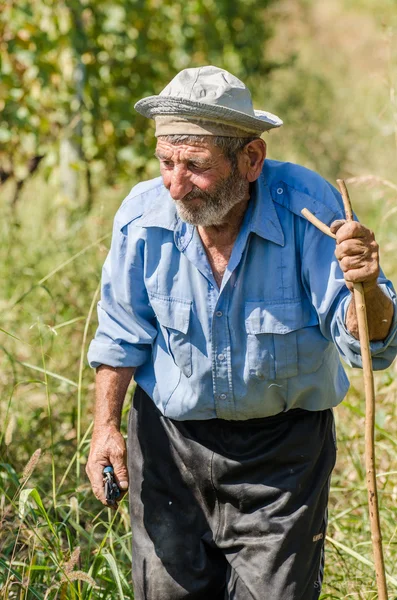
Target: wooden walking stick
(369, 389)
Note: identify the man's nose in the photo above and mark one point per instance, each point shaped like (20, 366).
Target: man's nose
(180, 184)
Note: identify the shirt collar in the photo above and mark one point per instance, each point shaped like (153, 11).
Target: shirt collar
(265, 221)
(162, 212)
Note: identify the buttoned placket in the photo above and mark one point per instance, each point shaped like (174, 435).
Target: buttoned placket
(218, 306)
(221, 356)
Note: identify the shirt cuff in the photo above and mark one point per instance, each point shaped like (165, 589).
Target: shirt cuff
(383, 352)
(117, 355)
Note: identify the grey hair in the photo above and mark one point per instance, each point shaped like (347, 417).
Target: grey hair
(230, 146)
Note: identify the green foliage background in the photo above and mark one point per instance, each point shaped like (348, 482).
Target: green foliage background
(77, 68)
(70, 74)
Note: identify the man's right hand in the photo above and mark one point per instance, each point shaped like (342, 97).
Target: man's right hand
(108, 445)
(107, 448)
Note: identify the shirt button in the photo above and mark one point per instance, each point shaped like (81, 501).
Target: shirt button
(221, 356)
(219, 313)
(280, 190)
(222, 396)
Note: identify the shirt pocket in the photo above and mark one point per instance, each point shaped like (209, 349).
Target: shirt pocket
(272, 342)
(173, 316)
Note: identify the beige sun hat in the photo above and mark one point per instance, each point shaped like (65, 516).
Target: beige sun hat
(207, 94)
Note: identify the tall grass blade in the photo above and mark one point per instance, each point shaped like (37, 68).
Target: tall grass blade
(18, 577)
(359, 557)
(73, 258)
(116, 573)
(24, 497)
(80, 383)
(50, 374)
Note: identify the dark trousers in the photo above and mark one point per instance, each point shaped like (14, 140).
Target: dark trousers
(228, 509)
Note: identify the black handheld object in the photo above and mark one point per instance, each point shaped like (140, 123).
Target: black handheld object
(112, 491)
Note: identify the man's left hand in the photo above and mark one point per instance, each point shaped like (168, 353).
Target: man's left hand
(357, 253)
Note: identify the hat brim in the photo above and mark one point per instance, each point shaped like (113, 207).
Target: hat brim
(154, 106)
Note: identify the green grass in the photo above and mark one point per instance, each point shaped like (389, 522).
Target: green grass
(55, 539)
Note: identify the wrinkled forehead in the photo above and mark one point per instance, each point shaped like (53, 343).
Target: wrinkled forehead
(185, 146)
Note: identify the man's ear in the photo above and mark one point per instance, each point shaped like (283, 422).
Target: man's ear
(251, 159)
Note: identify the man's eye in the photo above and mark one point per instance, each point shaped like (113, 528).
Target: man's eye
(195, 167)
(167, 163)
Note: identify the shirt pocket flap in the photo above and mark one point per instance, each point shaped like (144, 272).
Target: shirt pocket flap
(172, 313)
(262, 317)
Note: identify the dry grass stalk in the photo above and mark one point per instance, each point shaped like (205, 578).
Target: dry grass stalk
(68, 578)
(74, 504)
(49, 590)
(73, 560)
(10, 430)
(31, 465)
(6, 512)
(78, 576)
(371, 181)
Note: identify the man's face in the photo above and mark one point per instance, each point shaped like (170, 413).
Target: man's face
(201, 181)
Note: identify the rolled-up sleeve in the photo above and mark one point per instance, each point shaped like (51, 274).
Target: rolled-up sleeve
(126, 329)
(382, 352)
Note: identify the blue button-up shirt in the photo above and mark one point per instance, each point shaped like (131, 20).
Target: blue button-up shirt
(268, 340)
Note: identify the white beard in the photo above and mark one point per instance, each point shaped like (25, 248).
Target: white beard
(214, 206)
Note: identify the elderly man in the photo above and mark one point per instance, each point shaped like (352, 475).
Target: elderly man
(230, 310)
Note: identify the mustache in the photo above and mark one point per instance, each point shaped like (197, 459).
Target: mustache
(196, 193)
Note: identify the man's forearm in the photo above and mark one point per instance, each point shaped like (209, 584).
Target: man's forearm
(380, 312)
(111, 387)
(107, 444)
